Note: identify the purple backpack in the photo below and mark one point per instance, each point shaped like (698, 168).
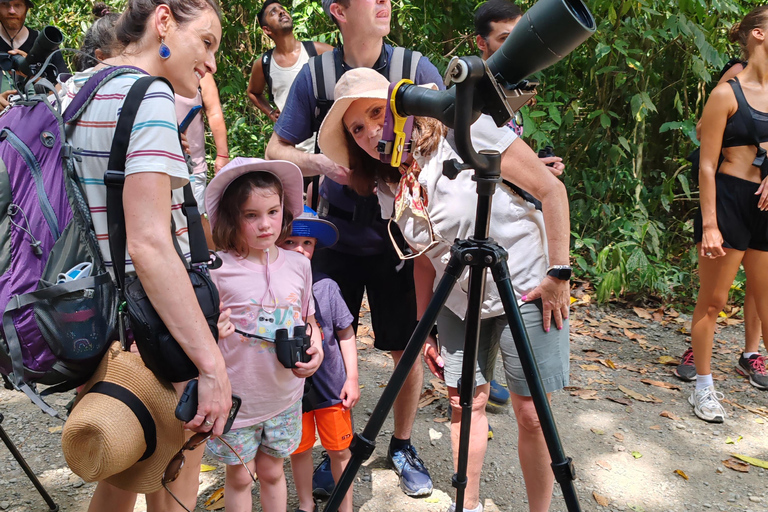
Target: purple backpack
(57, 300)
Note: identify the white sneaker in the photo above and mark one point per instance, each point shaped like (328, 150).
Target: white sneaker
(452, 508)
(706, 404)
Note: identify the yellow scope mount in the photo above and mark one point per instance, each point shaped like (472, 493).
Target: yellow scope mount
(399, 128)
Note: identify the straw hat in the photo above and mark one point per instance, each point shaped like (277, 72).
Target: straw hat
(287, 172)
(355, 84)
(309, 225)
(123, 428)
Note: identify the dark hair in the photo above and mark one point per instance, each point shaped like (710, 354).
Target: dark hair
(366, 171)
(132, 24)
(494, 11)
(226, 230)
(28, 3)
(100, 36)
(260, 15)
(739, 33)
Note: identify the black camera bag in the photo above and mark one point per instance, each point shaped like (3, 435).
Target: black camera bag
(160, 351)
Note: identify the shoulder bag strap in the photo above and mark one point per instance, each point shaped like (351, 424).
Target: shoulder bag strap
(309, 46)
(266, 61)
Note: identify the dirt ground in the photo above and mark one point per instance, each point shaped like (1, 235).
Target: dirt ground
(625, 420)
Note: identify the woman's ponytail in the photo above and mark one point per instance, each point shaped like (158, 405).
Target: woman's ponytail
(740, 32)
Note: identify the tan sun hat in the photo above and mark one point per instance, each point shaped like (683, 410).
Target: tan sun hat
(123, 428)
(355, 84)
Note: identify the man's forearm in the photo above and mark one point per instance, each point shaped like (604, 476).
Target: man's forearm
(279, 149)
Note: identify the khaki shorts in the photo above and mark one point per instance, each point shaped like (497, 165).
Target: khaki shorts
(551, 350)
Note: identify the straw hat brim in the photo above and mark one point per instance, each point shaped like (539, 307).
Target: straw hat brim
(287, 172)
(103, 439)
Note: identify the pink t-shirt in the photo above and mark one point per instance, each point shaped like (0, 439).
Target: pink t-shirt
(266, 387)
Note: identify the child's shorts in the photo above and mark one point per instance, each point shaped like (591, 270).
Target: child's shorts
(333, 424)
(277, 437)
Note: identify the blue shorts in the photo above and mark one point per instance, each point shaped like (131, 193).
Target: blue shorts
(277, 437)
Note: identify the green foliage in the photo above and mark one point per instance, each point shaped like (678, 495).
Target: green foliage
(621, 110)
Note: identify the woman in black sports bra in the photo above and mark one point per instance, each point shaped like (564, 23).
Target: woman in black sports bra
(732, 226)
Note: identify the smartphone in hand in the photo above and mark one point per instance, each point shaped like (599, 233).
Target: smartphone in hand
(187, 406)
(189, 118)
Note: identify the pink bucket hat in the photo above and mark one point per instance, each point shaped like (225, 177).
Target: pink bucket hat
(355, 84)
(287, 172)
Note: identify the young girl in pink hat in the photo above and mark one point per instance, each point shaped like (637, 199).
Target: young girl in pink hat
(251, 203)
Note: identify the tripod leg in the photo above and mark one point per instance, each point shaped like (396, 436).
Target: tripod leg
(363, 444)
(562, 466)
(23, 463)
(468, 384)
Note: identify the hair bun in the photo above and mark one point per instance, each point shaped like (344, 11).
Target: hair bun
(100, 9)
(733, 35)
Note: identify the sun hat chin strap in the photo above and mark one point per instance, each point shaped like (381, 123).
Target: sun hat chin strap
(137, 407)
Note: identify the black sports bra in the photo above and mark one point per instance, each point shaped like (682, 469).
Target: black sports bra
(736, 133)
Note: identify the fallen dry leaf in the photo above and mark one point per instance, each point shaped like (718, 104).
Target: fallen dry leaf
(619, 436)
(605, 337)
(585, 394)
(751, 460)
(622, 323)
(643, 313)
(669, 360)
(439, 386)
(440, 420)
(604, 464)
(597, 431)
(637, 455)
(672, 313)
(635, 394)
(363, 330)
(670, 415)
(55, 429)
(608, 363)
(216, 496)
(621, 401)
(600, 499)
(590, 367)
(728, 440)
(204, 468)
(655, 427)
(426, 398)
(736, 465)
(632, 335)
(681, 473)
(660, 384)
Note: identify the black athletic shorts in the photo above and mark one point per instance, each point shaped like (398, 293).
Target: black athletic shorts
(742, 225)
(390, 288)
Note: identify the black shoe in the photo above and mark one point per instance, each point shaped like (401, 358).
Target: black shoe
(686, 370)
(753, 368)
(322, 479)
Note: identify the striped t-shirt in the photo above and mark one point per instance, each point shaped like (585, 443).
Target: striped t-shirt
(154, 147)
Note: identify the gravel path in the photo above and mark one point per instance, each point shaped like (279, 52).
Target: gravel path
(635, 448)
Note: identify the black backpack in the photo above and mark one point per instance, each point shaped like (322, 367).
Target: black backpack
(266, 62)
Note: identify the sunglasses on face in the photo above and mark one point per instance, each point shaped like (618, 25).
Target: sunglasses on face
(173, 470)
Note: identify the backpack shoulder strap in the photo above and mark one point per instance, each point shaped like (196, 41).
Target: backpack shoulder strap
(749, 123)
(266, 61)
(86, 94)
(403, 64)
(309, 46)
(325, 73)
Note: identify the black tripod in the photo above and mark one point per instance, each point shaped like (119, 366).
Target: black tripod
(53, 507)
(479, 253)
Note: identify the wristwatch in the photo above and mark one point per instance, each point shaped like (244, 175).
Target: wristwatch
(561, 272)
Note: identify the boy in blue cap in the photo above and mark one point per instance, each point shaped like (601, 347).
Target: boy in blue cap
(334, 388)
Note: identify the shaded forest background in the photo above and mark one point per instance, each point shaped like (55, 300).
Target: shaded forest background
(621, 110)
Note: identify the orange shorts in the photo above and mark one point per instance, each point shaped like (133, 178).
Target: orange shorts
(333, 424)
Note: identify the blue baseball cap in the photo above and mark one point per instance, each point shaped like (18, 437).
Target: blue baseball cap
(309, 225)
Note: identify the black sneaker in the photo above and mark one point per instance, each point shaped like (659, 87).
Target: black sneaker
(414, 477)
(753, 368)
(322, 479)
(686, 370)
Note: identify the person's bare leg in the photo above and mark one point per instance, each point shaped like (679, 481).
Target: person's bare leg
(301, 466)
(752, 328)
(407, 402)
(534, 455)
(339, 460)
(108, 497)
(478, 441)
(274, 490)
(716, 277)
(237, 487)
(185, 487)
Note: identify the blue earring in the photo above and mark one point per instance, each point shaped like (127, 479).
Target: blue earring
(164, 51)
